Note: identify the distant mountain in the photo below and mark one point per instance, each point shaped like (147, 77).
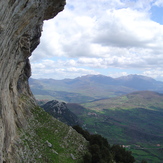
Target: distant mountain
(140, 82)
(91, 87)
(60, 111)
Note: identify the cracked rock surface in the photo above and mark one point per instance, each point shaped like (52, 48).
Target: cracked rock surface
(21, 24)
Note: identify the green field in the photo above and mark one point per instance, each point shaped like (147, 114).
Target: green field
(134, 120)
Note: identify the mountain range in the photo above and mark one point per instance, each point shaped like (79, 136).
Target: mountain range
(91, 87)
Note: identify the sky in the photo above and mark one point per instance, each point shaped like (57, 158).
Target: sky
(109, 37)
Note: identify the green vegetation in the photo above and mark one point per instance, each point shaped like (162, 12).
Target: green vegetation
(49, 140)
(100, 150)
(134, 120)
(122, 121)
(144, 99)
(125, 128)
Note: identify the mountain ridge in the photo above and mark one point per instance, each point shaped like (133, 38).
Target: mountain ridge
(92, 87)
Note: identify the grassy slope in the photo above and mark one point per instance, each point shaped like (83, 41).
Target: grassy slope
(147, 99)
(135, 119)
(63, 141)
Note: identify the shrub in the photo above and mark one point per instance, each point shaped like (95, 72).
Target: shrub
(85, 133)
(121, 155)
(100, 150)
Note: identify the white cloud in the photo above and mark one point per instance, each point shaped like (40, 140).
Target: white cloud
(100, 34)
(154, 73)
(129, 28)
(60, 73)
(117, 74)
(159, 3)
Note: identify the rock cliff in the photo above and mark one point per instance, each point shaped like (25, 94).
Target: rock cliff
(20, 30)
(60, 111)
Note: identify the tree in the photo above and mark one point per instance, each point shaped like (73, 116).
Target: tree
(87, 158)
(121, 155)
(100, 150)
(85, 133)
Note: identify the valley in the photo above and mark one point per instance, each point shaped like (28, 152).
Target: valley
(123, 112)
(122, 121)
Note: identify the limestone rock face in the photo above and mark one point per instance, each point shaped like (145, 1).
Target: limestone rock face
(20, 30)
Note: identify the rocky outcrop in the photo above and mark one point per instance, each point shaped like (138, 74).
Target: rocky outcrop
(20, 30)
(60, 111)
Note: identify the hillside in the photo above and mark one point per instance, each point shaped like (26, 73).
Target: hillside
(46, 139)
(60, 111)
(134, 120)
(140, 99)
(117, 109)
(91, 87)
(97, 150)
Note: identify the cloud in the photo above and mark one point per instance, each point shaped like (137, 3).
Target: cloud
(129, 28)
(59, 69)
(72, 68)
(100, 34)
(154, 73)
(159, 3)
(117, 74)
(72, 35)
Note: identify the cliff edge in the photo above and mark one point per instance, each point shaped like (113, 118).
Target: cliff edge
(20, 30)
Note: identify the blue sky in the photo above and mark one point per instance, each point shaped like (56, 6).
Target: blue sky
(157, 14)
(109, 37)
